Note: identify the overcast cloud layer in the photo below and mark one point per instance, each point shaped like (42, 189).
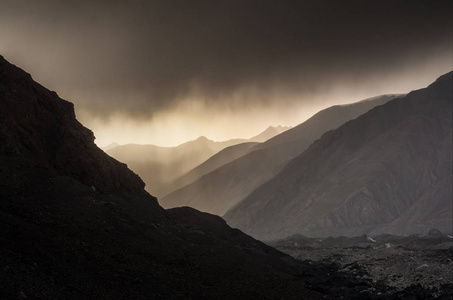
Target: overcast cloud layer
(143, 59)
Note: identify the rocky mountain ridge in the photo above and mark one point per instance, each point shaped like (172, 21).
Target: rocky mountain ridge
(77, 224)
(390, 170)
(269, 133)
(216, 161)
(219, 190)
(160, 167)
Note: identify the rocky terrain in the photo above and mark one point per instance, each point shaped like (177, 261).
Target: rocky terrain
(388, 171)
(77, 224)
(220, 189)
(404, 267)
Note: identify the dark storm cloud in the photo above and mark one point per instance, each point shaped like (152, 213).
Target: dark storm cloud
(143, 56)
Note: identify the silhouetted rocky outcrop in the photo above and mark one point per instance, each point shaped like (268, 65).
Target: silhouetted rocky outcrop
(43, 146)
(77, 224)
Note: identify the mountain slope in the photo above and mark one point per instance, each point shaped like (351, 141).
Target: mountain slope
(219, 159)
(77, 224)
(390, 170)
(325, 120)
(221, 189)
(269, 133)
(110, 146)
(42, 142)
(164, 169)
(160, 165)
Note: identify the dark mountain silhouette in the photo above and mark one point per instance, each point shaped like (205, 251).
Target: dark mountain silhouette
(221, 189)
(390, 170)
(77, 224)
(159, 167)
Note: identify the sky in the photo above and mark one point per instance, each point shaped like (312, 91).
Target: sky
(165, 72)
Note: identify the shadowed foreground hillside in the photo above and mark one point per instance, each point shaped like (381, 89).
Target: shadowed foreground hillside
(77, 224)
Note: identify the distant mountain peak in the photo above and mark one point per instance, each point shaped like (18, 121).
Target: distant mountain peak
(233, 181)
(110, 146)
(270, 132)
(202, 138)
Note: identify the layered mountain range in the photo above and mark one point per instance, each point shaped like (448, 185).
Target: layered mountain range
(77, 224)
(224, 186)
(159, 166)
(389, 170)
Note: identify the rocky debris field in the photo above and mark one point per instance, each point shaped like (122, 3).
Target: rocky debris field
(387, 266)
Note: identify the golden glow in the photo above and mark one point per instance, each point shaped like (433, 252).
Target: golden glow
(196, 115)
(123, 67)
(192, 117)
(188, 121)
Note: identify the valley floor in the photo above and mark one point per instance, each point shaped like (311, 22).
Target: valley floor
(406, 268)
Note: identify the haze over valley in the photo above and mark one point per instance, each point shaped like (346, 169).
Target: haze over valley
(159, 166)
(222, 188)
